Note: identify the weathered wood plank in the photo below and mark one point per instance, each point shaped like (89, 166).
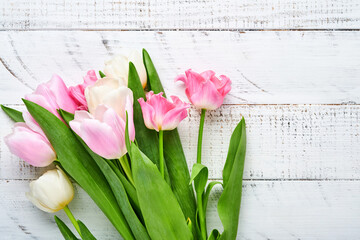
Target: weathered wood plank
(265, 67)
(173, 14)
(270, 210)
(284, 142)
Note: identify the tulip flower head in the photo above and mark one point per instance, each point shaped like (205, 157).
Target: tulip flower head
(104, 132)
(161, 114)
(110, 92)
(52, 191)
(78, 92)
(31, 146)
(118, 67)
(205, 90)
(53, 95)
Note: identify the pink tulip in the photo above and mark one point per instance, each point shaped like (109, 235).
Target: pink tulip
(161, 114)
(78, 92)
(205, 90)
(53, 95)
(104, 132)
(30, 146)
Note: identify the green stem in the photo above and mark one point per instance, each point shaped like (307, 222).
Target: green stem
(125, 165)
(201, 129)
(72, 219)
(201, 216)
(161, 152)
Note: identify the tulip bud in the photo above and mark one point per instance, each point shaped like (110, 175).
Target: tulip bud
(52, 191)
(205, 90)
(118, 67)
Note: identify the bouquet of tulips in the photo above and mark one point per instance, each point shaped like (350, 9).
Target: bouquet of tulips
(115, 136)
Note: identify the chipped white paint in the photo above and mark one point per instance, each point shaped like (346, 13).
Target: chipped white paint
(265, 67)
(183, 14)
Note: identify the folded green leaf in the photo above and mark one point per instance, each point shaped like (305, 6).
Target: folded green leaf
(85, 233)
(174, 154)
(65, 231)
(77, 162)
(15, 115)
(162, 213)
(199, 175)
(207, 193)
(230, 199)
(214, 235)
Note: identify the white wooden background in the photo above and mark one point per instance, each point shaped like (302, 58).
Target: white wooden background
(295, 67)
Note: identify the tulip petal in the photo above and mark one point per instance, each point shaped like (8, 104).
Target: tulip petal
(99, 136)
(30, 146)
(208, 98)
(148, 114)
(173, 117)
(58, 88)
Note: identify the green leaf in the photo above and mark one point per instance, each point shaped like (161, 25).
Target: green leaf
(199, 175)
(120, 193)
(65, 231)
(214, 235)
(230, 199)
(102, 75)
(77, 162)
(207, 193)
(147, 139)
(15, 115)
(162, 213)
(152, 75)
(85, 233)
(174, 154)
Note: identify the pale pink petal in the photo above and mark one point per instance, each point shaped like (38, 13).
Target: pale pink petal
(46, 103)
(207, 75)
(160, 105)
(32, 124)
(181, 78)
(118, 126)
(148, 114)
(176, 115)
(208, 98)
(30, 146)
(226, 85)
(62, 96)
(99, 136)
(129, 109)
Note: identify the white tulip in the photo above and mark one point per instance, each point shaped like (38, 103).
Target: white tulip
(52, 191)
(118, 67)
(110, 92)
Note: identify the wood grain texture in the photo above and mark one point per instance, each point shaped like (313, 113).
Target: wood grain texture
(183, 14)
(265, 67)
(294, 142)
(270, 210)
